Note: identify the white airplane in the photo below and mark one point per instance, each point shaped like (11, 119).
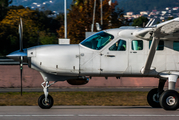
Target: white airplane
(152, 51)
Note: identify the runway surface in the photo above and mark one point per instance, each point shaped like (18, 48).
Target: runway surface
(86, 113)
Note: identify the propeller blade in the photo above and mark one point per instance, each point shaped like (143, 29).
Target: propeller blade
(20, 55)
(21, 70)
(21, 35)
(21, 50)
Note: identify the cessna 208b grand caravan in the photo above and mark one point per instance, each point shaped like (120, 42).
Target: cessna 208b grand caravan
(152, 51)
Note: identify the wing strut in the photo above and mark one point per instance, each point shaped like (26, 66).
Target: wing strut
(151, 55)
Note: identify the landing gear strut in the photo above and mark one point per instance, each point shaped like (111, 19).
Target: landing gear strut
(45, 101)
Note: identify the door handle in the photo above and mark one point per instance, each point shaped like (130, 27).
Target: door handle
(133, 52)
(110, 55)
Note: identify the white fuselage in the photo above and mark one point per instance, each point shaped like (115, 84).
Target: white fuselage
(79, 60)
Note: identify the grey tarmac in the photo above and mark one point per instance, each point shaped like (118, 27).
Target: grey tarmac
(86, 113)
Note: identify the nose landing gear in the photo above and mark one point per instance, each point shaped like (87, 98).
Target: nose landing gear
(45, 101)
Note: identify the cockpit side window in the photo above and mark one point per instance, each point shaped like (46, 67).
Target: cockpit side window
(98, 40)
(120, 45)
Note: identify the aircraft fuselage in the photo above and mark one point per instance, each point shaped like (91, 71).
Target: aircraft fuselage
(80, 60)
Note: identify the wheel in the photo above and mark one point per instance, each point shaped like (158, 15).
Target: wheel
(153, 99)
(169, 100)
(42, 104)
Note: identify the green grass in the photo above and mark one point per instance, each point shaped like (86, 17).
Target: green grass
(77, 98)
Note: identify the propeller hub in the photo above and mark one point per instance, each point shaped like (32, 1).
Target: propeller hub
(17, 55)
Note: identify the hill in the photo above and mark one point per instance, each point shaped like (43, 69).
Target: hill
(146, 5)
(128, 5)
(53, 5)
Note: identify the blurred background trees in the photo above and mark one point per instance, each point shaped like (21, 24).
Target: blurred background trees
(39, 28)
(81, 14)
(3, 7)
(141, 21)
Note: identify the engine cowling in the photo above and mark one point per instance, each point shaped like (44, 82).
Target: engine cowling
(79, 81)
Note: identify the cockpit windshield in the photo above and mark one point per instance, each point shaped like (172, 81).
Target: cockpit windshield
(98, 40)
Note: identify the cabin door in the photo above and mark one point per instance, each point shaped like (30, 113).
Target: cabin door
(114, 59)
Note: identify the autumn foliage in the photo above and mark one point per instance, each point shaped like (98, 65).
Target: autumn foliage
(39, 29)
(80, 18)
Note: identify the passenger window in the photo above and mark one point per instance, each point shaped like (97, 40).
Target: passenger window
(176, 45)
(137, 45)
(120, 45)
(160, 45)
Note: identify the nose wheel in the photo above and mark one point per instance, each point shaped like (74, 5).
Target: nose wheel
(45, 104)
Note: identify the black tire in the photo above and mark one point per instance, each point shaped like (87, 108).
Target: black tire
(152, 98)
(169, 100)
(42, 104)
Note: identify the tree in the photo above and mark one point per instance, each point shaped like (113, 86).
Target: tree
(47, 38)
(80, 18)
(34, 24)
(9, 26)
(3, 7)
(141, 21)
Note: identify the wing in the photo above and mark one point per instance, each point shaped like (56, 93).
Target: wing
(168, 30)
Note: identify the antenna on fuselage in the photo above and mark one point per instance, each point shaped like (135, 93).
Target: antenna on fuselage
(150, 23)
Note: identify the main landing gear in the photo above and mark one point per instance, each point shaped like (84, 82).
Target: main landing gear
(45, 101)
(168, 100)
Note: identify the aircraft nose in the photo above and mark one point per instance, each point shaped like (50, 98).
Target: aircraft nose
(17, 54)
